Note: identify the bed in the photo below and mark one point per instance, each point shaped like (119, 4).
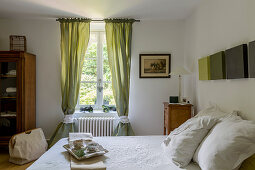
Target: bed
(136, 152)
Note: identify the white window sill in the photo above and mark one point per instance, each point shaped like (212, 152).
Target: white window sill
(96, 113)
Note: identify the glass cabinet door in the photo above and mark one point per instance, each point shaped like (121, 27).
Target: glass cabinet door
(8, 96)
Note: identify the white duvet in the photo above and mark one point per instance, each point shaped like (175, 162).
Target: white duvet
(131, 153)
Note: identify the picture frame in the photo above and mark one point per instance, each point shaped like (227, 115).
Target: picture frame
(154, 65)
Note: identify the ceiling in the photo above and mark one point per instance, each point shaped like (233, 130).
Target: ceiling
(98, 9)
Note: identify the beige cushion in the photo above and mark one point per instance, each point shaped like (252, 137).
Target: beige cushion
(248, 164)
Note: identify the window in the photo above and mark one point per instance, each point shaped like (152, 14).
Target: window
(96, 85)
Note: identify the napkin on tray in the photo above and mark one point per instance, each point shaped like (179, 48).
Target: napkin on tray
(78, 136)
(88, 164)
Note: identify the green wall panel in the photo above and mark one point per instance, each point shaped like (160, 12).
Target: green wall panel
(204, 68)
(217, 66)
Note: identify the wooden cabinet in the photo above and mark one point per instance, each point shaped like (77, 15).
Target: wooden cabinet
(17, 93)
(175, 115)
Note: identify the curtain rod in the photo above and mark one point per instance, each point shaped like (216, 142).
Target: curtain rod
(100, 20)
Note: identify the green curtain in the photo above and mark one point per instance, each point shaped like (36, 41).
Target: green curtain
(74, 42)
(118, 37)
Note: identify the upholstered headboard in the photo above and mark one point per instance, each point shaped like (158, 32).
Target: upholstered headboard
(229, 95)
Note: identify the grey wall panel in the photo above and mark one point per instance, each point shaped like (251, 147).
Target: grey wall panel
(251, 59)
(237, 62)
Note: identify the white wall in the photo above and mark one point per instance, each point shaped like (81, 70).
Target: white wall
(146, 95)
(214, 26)
(43, 39)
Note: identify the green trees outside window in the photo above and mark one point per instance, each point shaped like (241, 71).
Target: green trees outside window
(96, 83)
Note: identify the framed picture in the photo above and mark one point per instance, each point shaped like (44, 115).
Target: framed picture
(155, 65)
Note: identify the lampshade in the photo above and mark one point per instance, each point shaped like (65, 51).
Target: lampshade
(180, 71)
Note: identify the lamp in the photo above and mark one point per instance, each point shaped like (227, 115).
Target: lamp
(180, 71)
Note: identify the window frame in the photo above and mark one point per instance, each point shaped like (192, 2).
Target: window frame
(99, 83)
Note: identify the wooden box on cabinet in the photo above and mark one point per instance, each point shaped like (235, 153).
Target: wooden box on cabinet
(175, 115)
(17, 109)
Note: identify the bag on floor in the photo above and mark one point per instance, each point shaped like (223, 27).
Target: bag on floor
(27, 146)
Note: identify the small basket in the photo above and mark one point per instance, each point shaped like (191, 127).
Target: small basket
(18, 43)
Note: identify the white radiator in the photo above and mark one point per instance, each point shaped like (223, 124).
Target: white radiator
(98, 126)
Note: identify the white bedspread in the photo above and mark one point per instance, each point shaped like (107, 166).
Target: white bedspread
(125, 153)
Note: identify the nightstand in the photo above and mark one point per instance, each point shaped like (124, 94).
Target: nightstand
(175, 114)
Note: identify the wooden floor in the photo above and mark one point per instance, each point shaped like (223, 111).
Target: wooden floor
(5, 164)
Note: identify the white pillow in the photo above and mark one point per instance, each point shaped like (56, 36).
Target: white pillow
(212, 110)
(227, 145)
(182, 143)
